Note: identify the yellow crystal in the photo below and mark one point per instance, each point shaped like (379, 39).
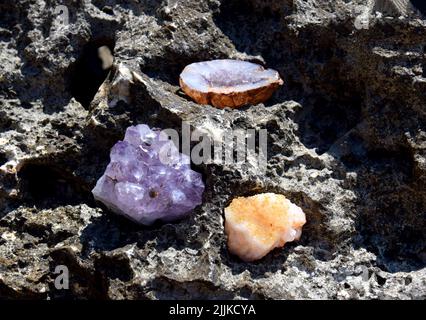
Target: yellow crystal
(258, 224)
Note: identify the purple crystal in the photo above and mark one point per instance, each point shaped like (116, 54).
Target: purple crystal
(148, 179)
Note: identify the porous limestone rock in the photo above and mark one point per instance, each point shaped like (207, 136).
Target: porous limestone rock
(346, 142)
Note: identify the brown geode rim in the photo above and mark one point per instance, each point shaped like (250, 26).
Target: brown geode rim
(225, 97)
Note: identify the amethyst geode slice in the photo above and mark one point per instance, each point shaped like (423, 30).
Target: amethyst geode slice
(148, 179)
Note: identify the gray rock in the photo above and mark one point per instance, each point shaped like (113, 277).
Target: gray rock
(346, 142)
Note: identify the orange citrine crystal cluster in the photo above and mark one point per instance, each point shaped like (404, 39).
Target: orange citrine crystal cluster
(258, 224)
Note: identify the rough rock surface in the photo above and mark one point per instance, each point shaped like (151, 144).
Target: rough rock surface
(346, 143)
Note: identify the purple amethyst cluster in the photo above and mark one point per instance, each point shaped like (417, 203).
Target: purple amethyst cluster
(148, 179)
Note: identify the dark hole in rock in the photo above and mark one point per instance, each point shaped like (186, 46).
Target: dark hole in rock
(5, 123)
(391, 216)
(232, 10)
(420, 5)
(26, 105)
(10, 14)
(396, 164)
(87, 74)
(248, 293)
(244, 23)
(3, 158)
(380, 280)
(115, 267)
(108, 10)
(352, 157)
(322, 122)
(46, 185)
